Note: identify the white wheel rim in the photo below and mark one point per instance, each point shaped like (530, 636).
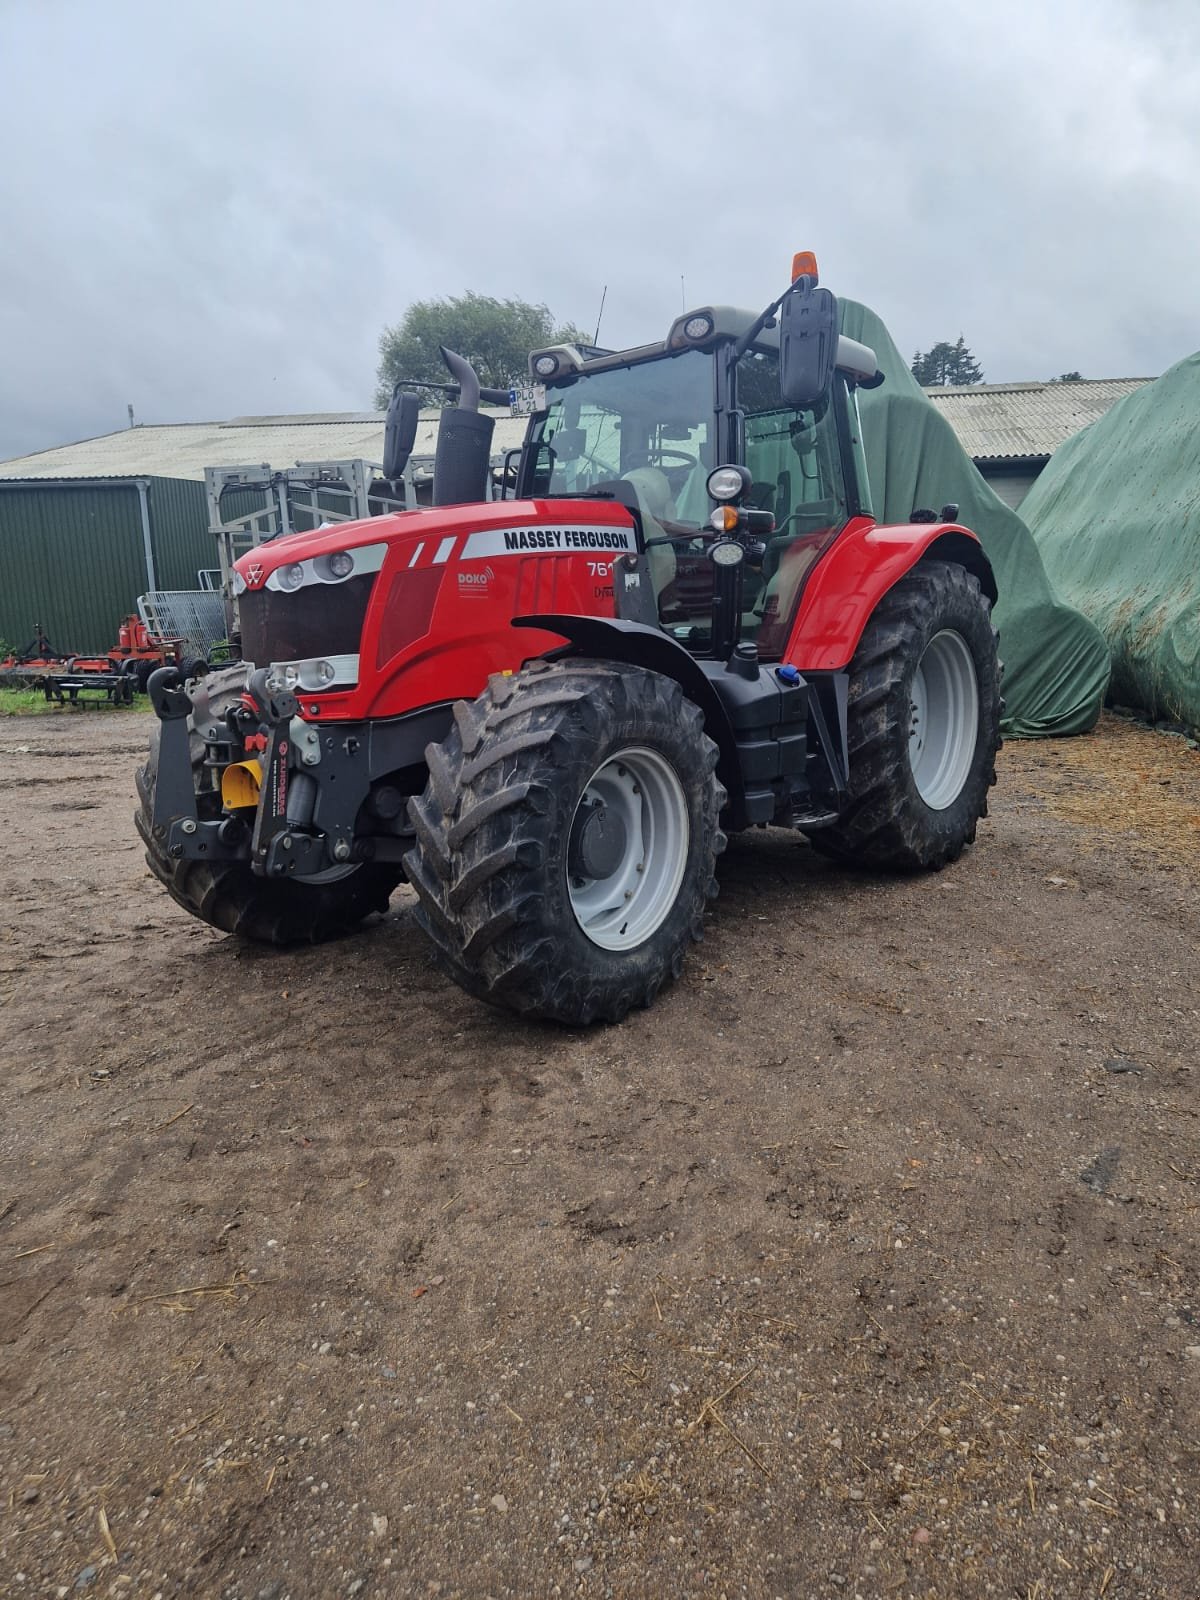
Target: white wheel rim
(944, 723)
(622, 909)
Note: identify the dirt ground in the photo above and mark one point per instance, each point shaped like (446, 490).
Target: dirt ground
(864, 1265)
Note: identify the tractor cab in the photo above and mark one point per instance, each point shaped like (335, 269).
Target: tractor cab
(660, 428)
(735, 443)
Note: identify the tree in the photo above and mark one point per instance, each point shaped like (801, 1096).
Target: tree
(947, 364)
(495, 336)
(1068, 377)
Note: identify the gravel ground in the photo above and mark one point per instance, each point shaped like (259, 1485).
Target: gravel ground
(863, 1265)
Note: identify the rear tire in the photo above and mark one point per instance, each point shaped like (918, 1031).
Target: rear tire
(228, 894)
(923, 725)
(567, 839)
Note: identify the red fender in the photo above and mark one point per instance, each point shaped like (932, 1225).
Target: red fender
(857, 571)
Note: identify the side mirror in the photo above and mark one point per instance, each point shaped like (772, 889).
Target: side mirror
(808, 343)
(399, 432)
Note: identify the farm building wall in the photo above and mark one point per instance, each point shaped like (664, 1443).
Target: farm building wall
(183, 546)
(72, 554)
(1012, 484)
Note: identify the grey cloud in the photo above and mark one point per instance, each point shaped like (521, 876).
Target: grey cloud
(212, 209)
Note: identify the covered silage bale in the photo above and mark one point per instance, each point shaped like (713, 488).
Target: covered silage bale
(1055, 660)
(1116, 516)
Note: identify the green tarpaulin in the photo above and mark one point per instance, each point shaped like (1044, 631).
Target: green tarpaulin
(1116, 516)
(1055, 661)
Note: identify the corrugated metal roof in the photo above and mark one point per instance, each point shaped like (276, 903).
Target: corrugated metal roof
(993, 421)
(184, 449)
(1016, 421)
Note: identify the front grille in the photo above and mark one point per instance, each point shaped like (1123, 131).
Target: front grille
(322, 619)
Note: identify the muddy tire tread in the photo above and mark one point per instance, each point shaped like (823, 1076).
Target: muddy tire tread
(489, 810)
(885, 823)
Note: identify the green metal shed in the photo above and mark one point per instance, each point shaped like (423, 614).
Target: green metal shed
(75, 553)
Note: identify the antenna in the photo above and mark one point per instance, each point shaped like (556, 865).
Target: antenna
(130, 410)
(603, 297)
(682, 294)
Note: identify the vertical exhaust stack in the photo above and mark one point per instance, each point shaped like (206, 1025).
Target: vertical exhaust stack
(464, 444)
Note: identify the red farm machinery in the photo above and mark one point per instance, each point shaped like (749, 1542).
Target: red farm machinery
(547, 711)
(113, 676)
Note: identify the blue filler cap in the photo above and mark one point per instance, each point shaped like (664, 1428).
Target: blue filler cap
(788, 673)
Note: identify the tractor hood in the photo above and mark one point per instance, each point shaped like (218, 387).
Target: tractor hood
(413, 539)
(365, 619)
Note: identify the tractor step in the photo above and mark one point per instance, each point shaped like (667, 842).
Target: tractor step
(814, 819)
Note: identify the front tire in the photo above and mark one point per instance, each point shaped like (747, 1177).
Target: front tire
(923, 725)
(567, 839)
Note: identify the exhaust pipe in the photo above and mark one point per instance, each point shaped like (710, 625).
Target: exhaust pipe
(466, 378)
(464, 444)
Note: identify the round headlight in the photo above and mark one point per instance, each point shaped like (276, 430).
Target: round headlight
(237, 582)
(727, 553)
(546, 366)
(291, 677)
(697, 327)
(341, 563)
(726, 483)
(291, 576)
(324, 671)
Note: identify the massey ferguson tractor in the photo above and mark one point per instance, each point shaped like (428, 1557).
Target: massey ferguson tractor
(547, 710)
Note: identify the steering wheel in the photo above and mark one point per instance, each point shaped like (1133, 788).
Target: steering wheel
(643, 457)
(698, 538)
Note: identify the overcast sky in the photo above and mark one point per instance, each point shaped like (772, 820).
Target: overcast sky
(210, 209)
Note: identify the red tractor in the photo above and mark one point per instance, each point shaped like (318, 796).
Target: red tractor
(548, 711)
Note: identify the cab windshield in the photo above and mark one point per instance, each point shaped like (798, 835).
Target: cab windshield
(652, 425)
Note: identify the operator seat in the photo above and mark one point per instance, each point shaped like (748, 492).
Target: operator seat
(790, 557)
(647, 490)
(692, 503)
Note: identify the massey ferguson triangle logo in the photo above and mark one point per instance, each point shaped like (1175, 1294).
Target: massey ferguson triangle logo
(254, 573)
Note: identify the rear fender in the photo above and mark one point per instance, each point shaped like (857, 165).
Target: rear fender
(614, 639)
(856, 573)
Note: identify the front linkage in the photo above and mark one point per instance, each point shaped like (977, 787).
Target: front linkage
(242, 777)
(257, 751)
(178, 828)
